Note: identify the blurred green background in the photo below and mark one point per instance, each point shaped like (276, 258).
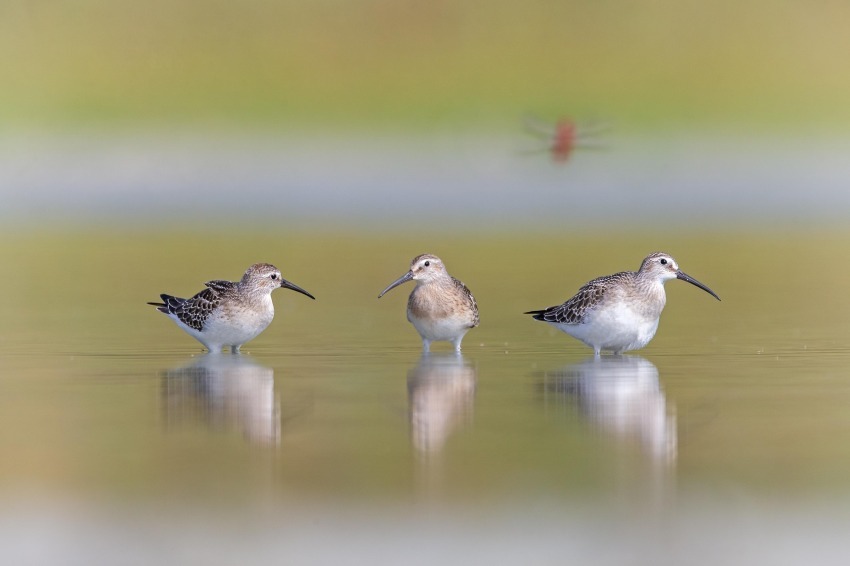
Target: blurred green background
(419, 66)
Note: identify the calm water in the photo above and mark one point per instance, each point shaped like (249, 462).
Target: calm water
(332, 439)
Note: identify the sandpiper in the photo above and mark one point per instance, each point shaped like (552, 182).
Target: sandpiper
(440, 307)
(227, 313)
(619, 312)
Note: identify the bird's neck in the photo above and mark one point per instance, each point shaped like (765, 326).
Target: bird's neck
(653, 295)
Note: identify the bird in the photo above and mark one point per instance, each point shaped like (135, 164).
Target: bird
(619, 312)
(440, 307)
(228, 314)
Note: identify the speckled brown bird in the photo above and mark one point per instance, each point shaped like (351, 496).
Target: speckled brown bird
(227, 313)
(619, 312)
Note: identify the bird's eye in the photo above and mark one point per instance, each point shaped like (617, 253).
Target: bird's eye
(274, 275)
(427, 263)
(663, 261)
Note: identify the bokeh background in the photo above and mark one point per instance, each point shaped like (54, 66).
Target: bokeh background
(184, 111)
(415, 68)
(148, 147)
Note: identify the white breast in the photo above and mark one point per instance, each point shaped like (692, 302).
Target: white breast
(617, 327)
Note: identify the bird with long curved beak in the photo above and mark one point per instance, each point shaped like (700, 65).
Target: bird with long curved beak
(440, 307)
(227, 313)
(619, 312)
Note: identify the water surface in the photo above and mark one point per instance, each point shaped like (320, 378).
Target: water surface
(731, 424)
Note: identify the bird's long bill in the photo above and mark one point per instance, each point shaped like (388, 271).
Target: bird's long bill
(403, 279)
(685, 277)
(294, 287)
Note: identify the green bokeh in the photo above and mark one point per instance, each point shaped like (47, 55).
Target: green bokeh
(412, 66)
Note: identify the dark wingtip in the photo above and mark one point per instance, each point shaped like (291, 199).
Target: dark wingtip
(537, 315)
(161, 307)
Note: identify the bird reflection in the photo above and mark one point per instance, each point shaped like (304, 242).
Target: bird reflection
(441, 390)
(224, 391)
(621, 396)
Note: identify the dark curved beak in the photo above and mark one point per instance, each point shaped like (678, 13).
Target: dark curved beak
(294, 287)
(685, 277)
(403, 279)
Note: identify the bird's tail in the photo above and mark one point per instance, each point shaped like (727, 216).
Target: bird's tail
(537, 315)
(163, 307)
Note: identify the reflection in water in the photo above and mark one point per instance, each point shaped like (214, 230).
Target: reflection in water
(621, 396)
(223, 391)
(441, 389)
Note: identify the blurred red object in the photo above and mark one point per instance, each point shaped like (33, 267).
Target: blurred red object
(564, 136)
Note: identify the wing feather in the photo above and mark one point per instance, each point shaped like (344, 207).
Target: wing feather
(219, 286)
(469, 299)
(195, 311)
(576, 309)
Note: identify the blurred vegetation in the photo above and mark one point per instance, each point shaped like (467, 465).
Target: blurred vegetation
(398, 64)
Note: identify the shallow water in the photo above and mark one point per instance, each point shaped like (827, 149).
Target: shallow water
(732, 424)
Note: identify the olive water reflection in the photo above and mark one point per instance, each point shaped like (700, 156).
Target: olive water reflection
(224, 391)
(441, 397)
(622, 397)
(441, 388)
